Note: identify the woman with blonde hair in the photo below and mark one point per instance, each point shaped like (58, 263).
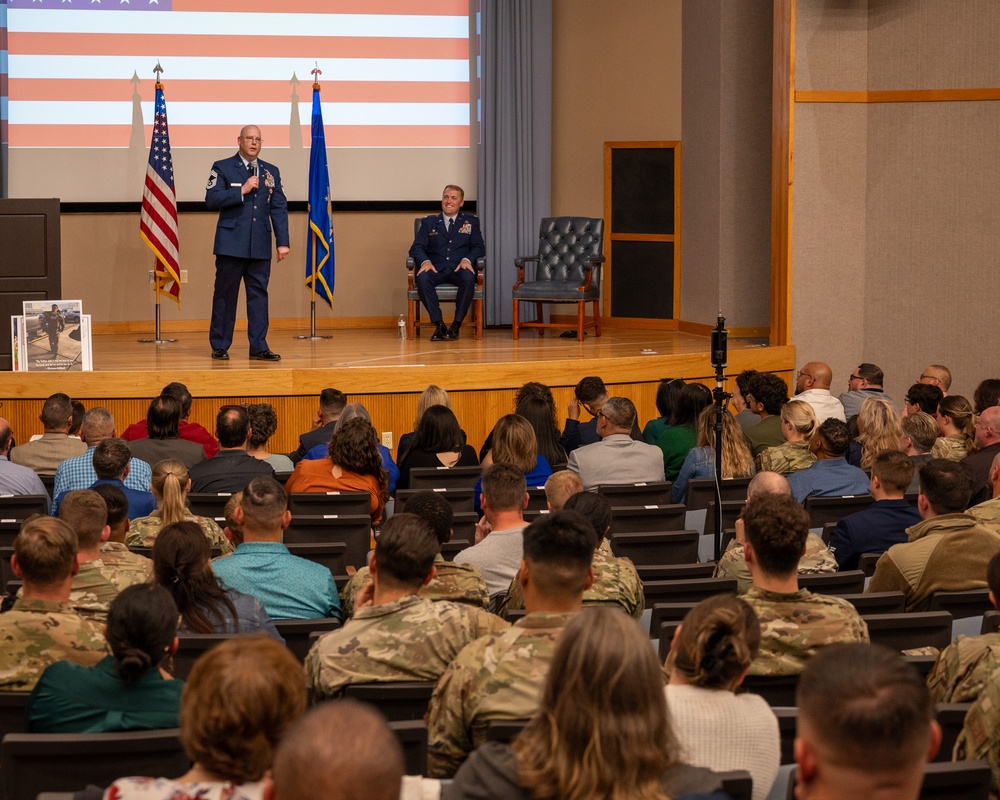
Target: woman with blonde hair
(719, 729)
(602, 729)
(798, 424)
(879, 429)
(514, 443)
(237, 703)
(354, 464)
(700, 461)
(170, 487)
(957, 429)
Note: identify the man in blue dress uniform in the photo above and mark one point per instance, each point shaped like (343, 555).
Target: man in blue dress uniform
(248, 195)
(446, 248)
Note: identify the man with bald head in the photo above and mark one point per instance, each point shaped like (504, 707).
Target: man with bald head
(812, 385)
(248, 195)
(816, 558)
(980, 463)
(14, 478)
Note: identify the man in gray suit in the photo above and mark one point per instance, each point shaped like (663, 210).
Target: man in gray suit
(617, 458)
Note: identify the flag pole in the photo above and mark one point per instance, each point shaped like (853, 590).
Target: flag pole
(157, 334)
(312, 295)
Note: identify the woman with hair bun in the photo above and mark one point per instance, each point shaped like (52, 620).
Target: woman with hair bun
(798, 424)
(719, 729)
(128, 690)
(956, 429)
(170, 486)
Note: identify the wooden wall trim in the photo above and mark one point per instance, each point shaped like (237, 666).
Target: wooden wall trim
(898, 96)
(782, 163)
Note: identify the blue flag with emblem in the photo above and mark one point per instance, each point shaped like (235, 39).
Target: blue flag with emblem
(319, 239)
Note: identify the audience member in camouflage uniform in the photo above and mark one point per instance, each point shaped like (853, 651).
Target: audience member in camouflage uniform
(616, 581)
(501, 676)
(395, 635)
(988, 513)
(460, 583)
(114, 553)
(866, 725)
(798, 423)
(170, 486)
(966, 664)
(98, 582)
(956, 424)
(979, 739)
(38, 632)
(948, 551)
(794, 622)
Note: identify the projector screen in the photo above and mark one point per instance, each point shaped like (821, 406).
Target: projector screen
(398, 88)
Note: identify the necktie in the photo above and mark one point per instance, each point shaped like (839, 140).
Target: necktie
(450, 223)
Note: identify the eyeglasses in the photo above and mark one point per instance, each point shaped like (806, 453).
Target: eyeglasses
(804, 374)
(252, 139)
(855, 378)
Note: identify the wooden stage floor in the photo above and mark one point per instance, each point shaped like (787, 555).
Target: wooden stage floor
(375, 361)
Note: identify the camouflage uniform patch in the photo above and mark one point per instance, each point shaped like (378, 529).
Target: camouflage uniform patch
(793, 626)
(950, 447)
(410, 639)
(142, 532)
(129, 567)
(963, 668)
(980, 736)
(616, 582)
(496, 677)
(816, 559)
(786, 458)
(36, 633)
(988, 514)
(460, 583)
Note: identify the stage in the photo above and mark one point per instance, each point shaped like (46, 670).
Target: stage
(373, 366)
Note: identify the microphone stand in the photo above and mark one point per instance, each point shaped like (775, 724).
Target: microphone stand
(720, 337)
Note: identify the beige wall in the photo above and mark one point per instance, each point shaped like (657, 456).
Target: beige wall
(616, 76)
(895, 241)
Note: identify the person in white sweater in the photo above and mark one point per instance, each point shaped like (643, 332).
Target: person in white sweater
(717, 728)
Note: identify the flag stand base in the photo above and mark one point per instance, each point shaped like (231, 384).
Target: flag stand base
(158, 339)
(312, 325)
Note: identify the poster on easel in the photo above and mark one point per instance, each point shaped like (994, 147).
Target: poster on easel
(57, 337)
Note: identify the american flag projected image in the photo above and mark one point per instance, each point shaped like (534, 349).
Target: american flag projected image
(396, 73)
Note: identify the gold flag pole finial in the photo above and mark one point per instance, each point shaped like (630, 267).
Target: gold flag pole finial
(316, 73)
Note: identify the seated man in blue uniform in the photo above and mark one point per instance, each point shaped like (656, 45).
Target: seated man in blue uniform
(247, 194)
(446, 249)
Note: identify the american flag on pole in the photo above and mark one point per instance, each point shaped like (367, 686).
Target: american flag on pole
(158, 219)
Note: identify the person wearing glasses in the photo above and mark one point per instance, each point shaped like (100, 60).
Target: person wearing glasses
(247, 194)
(812, 385)
(865, 381)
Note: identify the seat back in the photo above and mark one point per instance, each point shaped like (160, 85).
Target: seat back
(788, 718)
(877, 602)
(563, 245)
(951, 718)
(833, 509)
(208, 504)
(737, 784)
(655, 493)
(504, 730)
(970, 603)
(31, 763)
(667, 612)
(321, 504)
(397, 700)
(867, 562)
(668, 547)
(991, 621)
(778, 690)
(463, 526)
(296, 632)
(536, 498)
(444, 477)
(191, 646)
(956, 780)
(453, 547)
(686, 591)
(640, 519)
(849, 582)
(673, 572)
(701, 491)
(21, 506)
(12, 712)
(461, 500)
(332, 555)
(910, 630)
(412, 737)
(354, 530)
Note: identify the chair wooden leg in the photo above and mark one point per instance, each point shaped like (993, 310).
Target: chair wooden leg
(597, 320)
(478, 311)
(515, 330)
(412, 326)
(540, 310)
(579, 321)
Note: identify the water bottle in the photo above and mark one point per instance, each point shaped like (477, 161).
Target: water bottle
(402, 326)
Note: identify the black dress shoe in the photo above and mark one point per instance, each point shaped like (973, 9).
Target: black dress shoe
(220, 355)
(453, 331)
(265, 355)
(440, 333)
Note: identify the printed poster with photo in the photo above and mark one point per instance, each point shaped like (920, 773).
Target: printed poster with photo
(57, 336)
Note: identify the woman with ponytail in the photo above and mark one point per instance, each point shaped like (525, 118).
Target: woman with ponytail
(716, 727)
(170, 487)
(956, 429)
(128, 690)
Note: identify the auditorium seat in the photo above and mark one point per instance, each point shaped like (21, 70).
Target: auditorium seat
(665, 547)
(412, 737)
(951, 718)
(822, 510)
(956, 780)
(663, 572)
(320, 504)
(504, 730)
(190, 647)
(397, 700)
(778, 690)
(463, 526)
(208, 504)
(21, 506)
(460, 500)
(991, 622)
(655, 493)
(444, 477)
(640, 519)
(536, 498)
(296, 632)
(968, 603)
(910, 630)
(31, 763)
(867, 563)
(451, 548)
(877, 602)
(353, 530)
(686, 591)
(788, 718)
(332, 555)
(850, 582)
(12, 712)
